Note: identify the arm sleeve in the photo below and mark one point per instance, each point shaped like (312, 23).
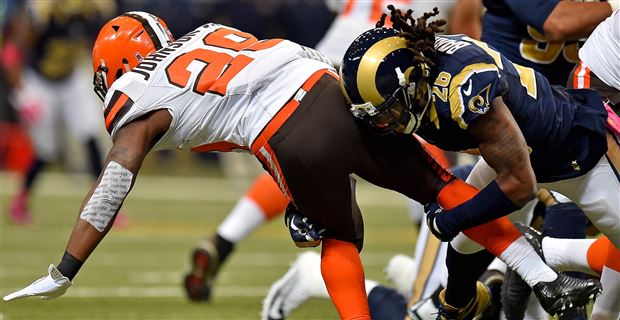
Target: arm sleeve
(532, 12)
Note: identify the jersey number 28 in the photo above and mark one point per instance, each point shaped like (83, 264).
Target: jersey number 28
(219, 68)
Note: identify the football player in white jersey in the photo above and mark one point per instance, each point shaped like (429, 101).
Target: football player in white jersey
(221, 89)
(264, 201)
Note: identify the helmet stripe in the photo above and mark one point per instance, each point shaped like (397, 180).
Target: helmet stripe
(163, 36)
(157, 27)
(144, 18)
(369, 64)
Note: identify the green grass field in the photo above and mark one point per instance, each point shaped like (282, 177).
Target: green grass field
(136, 272)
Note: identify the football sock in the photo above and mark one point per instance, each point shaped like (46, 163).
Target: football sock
(264, 200)
(244, 218)
(574, 254)
(223, 247)
(500, 237)
(613, 255)
(498, 265)
(268, 196)
(496, 235)
(607, 305)
(343, 274)
(32, 173)
(462, 280)
(522, 258)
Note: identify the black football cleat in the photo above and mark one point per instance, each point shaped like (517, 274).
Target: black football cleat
(205, 264)
(566, 293)
(533, 236)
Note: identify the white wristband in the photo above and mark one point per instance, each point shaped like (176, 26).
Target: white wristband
(614, 4)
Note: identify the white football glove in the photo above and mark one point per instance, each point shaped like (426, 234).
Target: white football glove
(49, 287)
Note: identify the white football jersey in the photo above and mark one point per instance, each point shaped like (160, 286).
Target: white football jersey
(600, 52)
(221, 86)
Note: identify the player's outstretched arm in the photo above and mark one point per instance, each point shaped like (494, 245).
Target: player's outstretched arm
(503, 146)
(131, 144)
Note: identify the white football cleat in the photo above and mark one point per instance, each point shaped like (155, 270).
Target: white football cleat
(400, 271)
(302, 281)
(424, 309)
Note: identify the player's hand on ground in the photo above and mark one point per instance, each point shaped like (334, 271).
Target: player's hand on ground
(304, 232)
(49, 287)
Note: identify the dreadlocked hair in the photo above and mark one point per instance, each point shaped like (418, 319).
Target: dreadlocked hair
(420, 36)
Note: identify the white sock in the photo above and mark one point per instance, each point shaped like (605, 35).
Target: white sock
(241, 221)
(498, 265)
(521, 257)
(607, 305)
(568, 254)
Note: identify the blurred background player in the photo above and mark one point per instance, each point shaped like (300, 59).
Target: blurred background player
(541, 34)
(264, 200)
(58, 37)
(15, 148)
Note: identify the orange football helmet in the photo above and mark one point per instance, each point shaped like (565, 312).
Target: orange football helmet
(122, 44)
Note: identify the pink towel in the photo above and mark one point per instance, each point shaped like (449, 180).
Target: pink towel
(613, 121)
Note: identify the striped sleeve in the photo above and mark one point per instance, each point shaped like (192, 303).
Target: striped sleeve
(118, 106)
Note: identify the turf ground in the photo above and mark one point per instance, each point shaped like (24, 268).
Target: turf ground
(136, 272)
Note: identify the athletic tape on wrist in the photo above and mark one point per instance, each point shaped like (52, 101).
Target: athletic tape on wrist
(108, 196)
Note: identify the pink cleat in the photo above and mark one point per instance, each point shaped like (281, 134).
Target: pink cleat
(19, 213)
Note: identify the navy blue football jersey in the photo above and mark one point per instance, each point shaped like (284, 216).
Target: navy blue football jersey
(564, 129)
(515, 28)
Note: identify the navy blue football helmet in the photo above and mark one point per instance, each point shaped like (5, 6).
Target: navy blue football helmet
(383, 83)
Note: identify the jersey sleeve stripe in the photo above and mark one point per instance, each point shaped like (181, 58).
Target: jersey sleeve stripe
(115, 96)
(117, 111)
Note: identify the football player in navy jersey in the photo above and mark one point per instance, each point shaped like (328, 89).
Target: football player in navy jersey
(460, 94)
(542, 34)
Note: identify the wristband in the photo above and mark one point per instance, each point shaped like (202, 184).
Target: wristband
(614, 4)
(69, 266)
(489, 204)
